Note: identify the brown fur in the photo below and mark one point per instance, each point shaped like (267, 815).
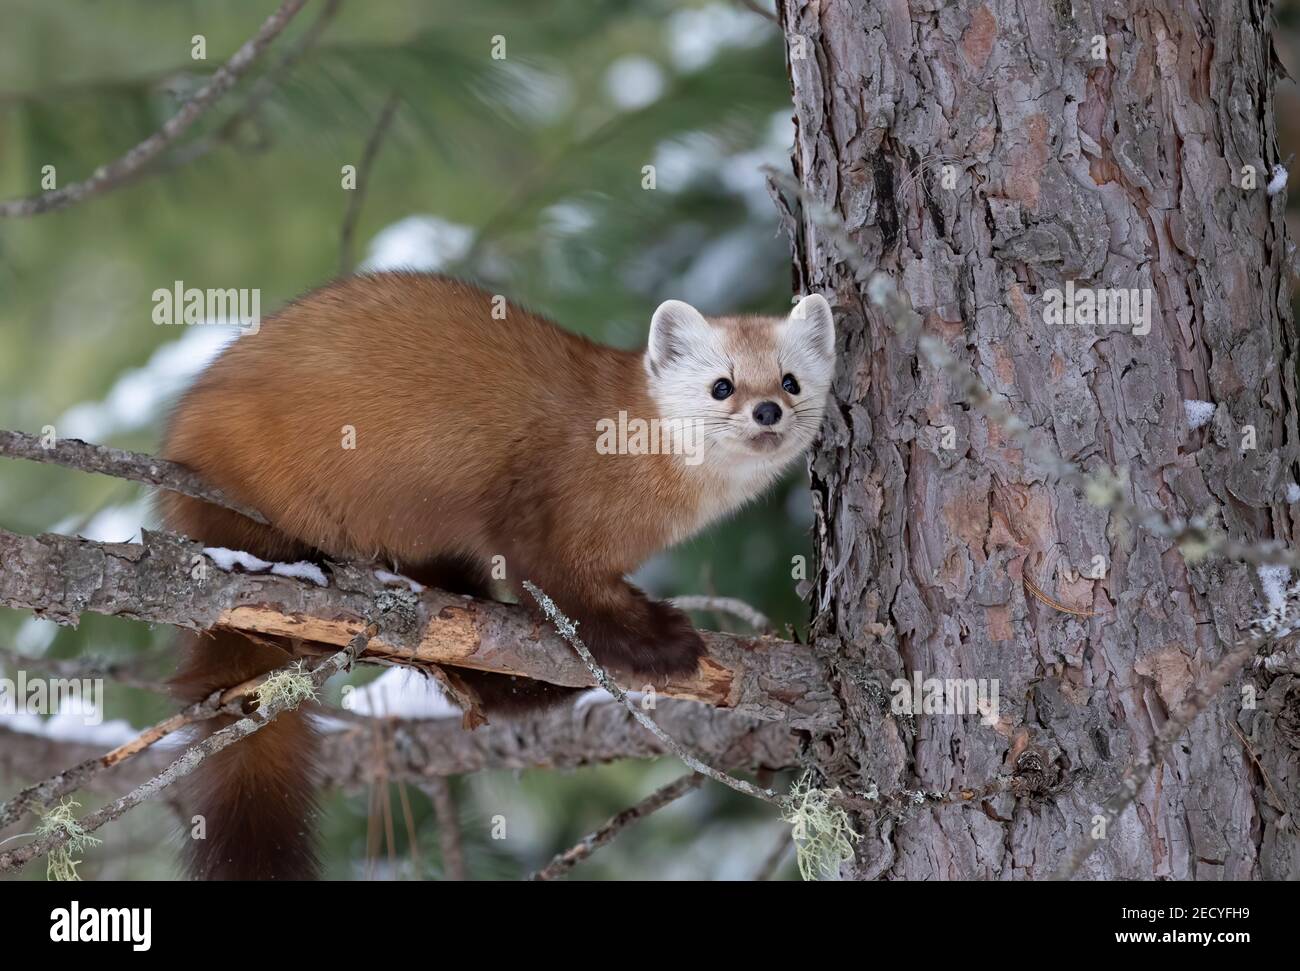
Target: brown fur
(475, 438)
(257, 797)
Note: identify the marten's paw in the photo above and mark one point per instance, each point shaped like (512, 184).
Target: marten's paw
(656, 645)
(674, 645)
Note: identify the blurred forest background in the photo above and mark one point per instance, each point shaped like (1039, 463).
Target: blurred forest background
(524, 173)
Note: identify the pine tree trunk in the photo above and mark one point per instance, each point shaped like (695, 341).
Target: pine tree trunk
(1119, 171)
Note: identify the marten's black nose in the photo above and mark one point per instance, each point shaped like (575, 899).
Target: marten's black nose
(768, 413)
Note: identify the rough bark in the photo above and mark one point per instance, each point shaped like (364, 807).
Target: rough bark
(565, 738)
(167, 579)
(1119, 172)
(72, 453)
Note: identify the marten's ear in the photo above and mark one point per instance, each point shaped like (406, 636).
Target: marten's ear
(675, 329)
(812, 323)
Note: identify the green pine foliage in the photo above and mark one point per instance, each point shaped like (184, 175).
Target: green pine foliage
(537, 153)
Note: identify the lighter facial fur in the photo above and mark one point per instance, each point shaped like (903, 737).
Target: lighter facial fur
(688, 353)
(474, 440)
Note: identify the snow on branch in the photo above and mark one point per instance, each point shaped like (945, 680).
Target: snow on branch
(758, 692)
(364, 752)
(170, 580)
(72, 833)
(415, 750)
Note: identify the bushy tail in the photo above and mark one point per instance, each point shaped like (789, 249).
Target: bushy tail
(256, 798)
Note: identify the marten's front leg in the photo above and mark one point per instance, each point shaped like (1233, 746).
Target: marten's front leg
(625, 630)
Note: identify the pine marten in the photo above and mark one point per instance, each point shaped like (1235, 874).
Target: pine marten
(394, 417)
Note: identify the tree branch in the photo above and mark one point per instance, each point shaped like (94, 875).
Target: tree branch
(128, 674)
(72, 453)
(569, 631)
(257, 95)
(167, 579)
(417, 750)
(357, 198)
(110, 176)
(438, 789)
(566, 861)
(191, 759)
(70, 780)
(726, 605)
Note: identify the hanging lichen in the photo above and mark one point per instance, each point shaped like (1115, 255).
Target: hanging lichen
(823, 834)
(288, 688)
(59, 863)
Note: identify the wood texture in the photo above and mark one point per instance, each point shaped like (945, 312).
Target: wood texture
(565, 738)
(167, 579)
(1118, 172)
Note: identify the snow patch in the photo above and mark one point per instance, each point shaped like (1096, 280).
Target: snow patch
(1277, 180)
(80, 723)
(533, 93)
(568, 218)
(682, 159)
(139, 394)
(697, 35)
(1279, 619)
(34, 636)
(401, 693)
(418, 243)
(302, 570)
(694, 156)
(1198, 412)
(633, 82)
(722, 271)
(599, 696)
(112, 524)
(1273, 581)
(227, 560)
(396, 579)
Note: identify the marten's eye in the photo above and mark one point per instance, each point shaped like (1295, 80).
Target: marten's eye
(722, 389)
(790, 384)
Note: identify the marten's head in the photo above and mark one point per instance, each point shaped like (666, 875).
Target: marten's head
(755, 388)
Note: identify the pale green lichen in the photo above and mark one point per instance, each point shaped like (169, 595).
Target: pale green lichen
(823, 834)
(288, 689)
(59, 863)
(1194, 549)
(1104, 489)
